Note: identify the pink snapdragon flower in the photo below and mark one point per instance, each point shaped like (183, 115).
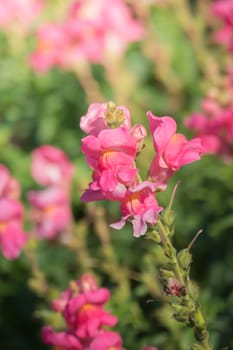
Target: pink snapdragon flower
(51, 167)
(81, 306)
(214, 124)
(172, 150)
(111, 155)
(106, 340)
(12, 237)
(119, 28)
(85, 36)
(9, 186)
(223, 9)
(61, 340)
(50, 211)
(52, 43)
(19, 12)
(140, 207)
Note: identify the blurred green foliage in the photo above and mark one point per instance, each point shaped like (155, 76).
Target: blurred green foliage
(45, 109)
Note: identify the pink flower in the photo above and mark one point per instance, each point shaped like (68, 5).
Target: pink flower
(12, 237)
(172, 150)
(22, 12)
(65, 340)
(223, 9)
(81, 306)
(9, 186)
(85, 36)
(96, 118)
(51, 166)
(106, 340)
(214, 124)
(119, 28)
(51, 46)
(50, 211)
(140, 207)
(111, 155)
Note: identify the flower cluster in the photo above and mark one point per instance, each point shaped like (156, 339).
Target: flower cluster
(82, 308)
(214, 124)
(51, 210)
(223, 9)
(22, 12)
(12, 237)
(91, 30)
(111, 149)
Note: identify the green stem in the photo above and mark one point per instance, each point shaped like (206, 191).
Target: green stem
(189, 300)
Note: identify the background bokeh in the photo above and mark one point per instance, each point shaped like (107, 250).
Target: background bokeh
(168, 71)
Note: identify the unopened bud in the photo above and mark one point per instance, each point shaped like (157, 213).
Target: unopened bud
(168, 217)
(185, 258)
(154, 236)
(199, 319)
(114, 116)
(165, 274)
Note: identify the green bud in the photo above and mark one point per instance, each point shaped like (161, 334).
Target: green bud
(168, 217)
(185, 258)
(181, 317)
(199, 319)
(154, 236)
(165, 274)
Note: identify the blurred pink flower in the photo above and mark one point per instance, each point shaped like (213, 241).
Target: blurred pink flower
(52, 42)
(85, 36)
(62, 340)
(95, 119)
(106, 340)
(9, 186)
(12, 237)
(140, 207)
(50, 211)
(119, 28)
(111, 155)
(214, 124)
(20, 12)
(223, 9)
(172, 150)
(81, 306)
(51, 166)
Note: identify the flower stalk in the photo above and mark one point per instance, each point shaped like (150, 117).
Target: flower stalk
(176, 281)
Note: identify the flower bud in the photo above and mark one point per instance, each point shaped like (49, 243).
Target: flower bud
(165, 274)
(154, 236)
(168, 218)
(184, 258)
